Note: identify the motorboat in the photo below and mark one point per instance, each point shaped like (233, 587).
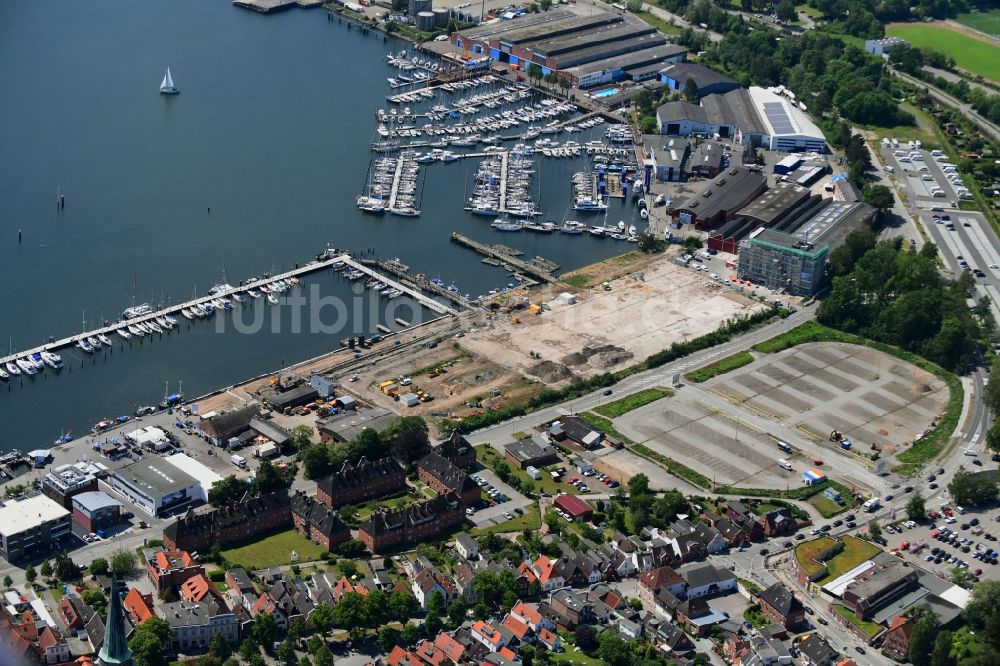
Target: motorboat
(52, 360)
(137, 311)
(573, 227)
(94, 342)
(12, 368)
(27, 367)
(239, 298)
(123, 333)
(134, 330)
(253, 293)
(36, 360)
(84, 344)
(272, 299)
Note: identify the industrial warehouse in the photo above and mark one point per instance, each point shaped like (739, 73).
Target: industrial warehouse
(588, 49)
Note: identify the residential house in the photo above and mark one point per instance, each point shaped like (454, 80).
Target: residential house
(896, 642)
(781, 606)
(457, 450)
(412, 524)
(169, 569)
(318, 522)
(241, 589)
(265, 605)
(817, 652)
(139, 606)
(520, 631)
(356, 482)
(464, 578)
(571, 609)
(467, 547)
(192, 625)
(426, 583)
(651, 582)
(777, 522)
(549, 639)
(694, 614)
(402, 657)
(548, 575)
(707, 580)
(52, 647)
(492, 637)
(531, 617)
(74, 613)
(669, 637)
(454, 649)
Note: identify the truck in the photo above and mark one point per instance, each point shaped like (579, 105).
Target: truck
(784, 464)
(239, 461)
(785, 446)
(872, 505)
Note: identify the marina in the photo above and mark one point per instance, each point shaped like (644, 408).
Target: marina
(538, 267)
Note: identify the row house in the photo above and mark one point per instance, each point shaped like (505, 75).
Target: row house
(547, 573)
(169, 569)
(493, 637)
(897, 638)
(412, 524)
(239, 521)
(318, 522)
(193, 625)
(365, 480)
(708, 580)
(139, 606)
(651, 582)
(571, 609)
(464, 579)
(240, 588)
(531, 617)
(444, 477)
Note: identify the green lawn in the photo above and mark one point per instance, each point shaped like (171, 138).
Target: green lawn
(971, 54)
(613, 410)
(870, 629)
(855, 552)
(826, 506)
(720, 367)
(273, 550)
(809, 11)
(663, 26)
(987, 22)
(905, 133)
(531, 520)
(571, 656)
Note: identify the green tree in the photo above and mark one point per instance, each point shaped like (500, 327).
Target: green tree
(638, 485)
(304, 661)
(435, 603)
(941, 655)
(874, 529)
(961, 577)
(285, 652)
(647, 125)
(65, 569)
(984, 604)
(546, 5)
(249, 648)
(321, 618)
(323, 657)
(315, 458)
(553, 520)
(7, 581)
(268, 479)
(534, 71)
(98, 566)
(432, 625)
(915, 507)
(456, 612)
(565, 85)
(397, 6)
(585, 637)
(219, 648)
(46, 569)
(388, 638)
(149, 643)
(227, 491)
(402, 605)
(265, 630)
(969, 488)
(351, 611)
(613, 650)
(993, 435)
(96, 600)
(315, 643)
(876, 196)
(406, 438)
(481, 611)
(922, 639)
(30, 574)
(123, 563)
(785, 11)
(409, 635)
(690, 90)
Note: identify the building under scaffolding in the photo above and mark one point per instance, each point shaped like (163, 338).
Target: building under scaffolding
(782, 262)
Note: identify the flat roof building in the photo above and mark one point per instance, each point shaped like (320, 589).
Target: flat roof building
(65, 481)
(787, 127)
(32, 526)
(783, 263)
(94, 511)
(531, 453)
(613, 68)
(729, 192)
(156, 486)
(773, 205)
(345, 426)
(707, 81)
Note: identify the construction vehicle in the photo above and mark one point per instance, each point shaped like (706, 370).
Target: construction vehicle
(836, 436)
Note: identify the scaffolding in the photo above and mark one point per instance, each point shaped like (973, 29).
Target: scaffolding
(781, 262)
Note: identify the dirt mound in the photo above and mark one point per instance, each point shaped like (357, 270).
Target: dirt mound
(610, 358)
(576, 358)
(550, 372)
(593, 351)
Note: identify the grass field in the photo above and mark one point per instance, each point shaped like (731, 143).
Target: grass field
(489, 457)
(273, 550)
(855, 552)
(970, 54)
(663, 26)
(826, 506)
(987, 22)
(720, 367)
(871, 629)
(614, 409)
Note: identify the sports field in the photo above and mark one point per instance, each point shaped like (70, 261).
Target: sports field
(974, 55)
(986, 22)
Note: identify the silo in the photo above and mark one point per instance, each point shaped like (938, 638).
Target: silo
(425, 21)
(411, 7)
(440, 17)
(417, 6)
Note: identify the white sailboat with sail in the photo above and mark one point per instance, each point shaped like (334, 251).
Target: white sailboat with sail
(167, 87)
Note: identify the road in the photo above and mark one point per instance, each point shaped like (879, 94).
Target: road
(679, 21)
(948, 100)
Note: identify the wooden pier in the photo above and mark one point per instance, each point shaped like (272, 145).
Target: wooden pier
(537, 268)
(171, 310)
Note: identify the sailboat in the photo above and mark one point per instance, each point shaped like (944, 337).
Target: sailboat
(167, 87)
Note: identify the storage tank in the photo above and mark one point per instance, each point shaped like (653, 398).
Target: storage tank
(440, 17)
(417, 6)
(425, 21)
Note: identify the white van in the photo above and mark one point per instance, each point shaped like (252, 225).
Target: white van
(889, 169)
(784, 464)
(713, 276)
(936, 152)
(927, 177)
(872, 505)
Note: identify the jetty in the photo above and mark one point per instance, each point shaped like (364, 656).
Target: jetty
(538, 267)
(418, 281)
(326, 260)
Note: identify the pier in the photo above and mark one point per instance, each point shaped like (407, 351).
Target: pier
(418, 281)
(538, 267)
(396, 177)
(504, 165)
(327, 261)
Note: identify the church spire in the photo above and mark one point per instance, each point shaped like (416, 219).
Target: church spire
(115, 651)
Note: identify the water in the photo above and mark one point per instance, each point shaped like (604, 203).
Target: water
(270, 131)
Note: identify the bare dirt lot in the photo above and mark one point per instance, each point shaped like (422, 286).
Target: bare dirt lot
(641, 313)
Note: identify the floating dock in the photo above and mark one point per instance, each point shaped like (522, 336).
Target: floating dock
(265, 6)
(418, 282)
(538, 267)
(313, 266)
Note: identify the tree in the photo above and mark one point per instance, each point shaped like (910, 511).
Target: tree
(285, 652)
(249, 648)
(30, 574)
(534, 71)
(993, 436)
(316, 460)
(227, 491)
(961, 577)
(402, 605)
(785, 11)
(874, 529)
(268, 479)
(351, 611)
(315, 643)
(922, 639)
(638, 485)
(481, 611)
(96, 600)
(123, 563)
(323, 657)
(552, 520)
(406, 438)
(942, 650)
(432, 625)
(304, 661)
(586, 637)
(46, 569)
(985, 603)
(546, 5)
(7, 581)
(409, 635)
(351, 548)
(149, 642)
(877, 196)
(65, 569)
(322, 618)
(98, 566)
(388, 638)
(397, 6)
(219, 648)
(613, 650)
(915, 507)
(968, 488)
(265, 630)
(456, 612)
(690, 90)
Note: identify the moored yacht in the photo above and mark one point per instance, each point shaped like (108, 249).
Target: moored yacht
(52, 360)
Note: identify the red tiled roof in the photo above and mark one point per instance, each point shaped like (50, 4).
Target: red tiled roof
(139, 606)
(515, 626)
(447, 644)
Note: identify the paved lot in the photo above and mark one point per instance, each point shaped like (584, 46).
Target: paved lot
(987, 520)
(728, 427)
(494, 515)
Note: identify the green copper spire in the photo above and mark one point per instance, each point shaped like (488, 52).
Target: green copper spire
(114, 651)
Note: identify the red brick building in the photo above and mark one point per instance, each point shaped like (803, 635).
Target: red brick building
(318, 522)
(457, 450)
(445, 478)
(169, 569)
(781, 606)
(897, 638)
(240, 521)
(409, 525)
(365, 480)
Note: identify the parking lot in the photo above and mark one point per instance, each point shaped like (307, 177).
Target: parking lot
(972, 529)
(728, 427)
(493, 515)
(927, 176)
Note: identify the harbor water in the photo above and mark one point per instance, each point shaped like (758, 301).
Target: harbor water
(254, 167)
